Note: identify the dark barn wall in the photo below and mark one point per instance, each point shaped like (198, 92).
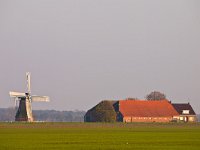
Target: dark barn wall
(119, 116)
(102, 112)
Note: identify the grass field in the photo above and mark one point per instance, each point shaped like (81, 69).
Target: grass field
(47, 136)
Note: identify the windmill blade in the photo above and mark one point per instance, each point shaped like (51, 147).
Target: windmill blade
(17, 94)
(28, 78)
(16, 99)
(40, 98)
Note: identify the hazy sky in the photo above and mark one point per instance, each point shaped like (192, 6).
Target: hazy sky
(83, 51)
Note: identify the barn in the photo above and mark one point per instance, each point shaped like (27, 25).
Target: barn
(102, 112)
(142, 111)
(145, 111)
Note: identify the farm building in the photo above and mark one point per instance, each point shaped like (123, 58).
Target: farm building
(102, 112)
(140, 111)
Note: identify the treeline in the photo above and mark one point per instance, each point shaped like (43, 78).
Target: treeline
(8, 114)
(198, 117)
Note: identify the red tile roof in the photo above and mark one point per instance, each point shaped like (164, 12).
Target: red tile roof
(144, 108)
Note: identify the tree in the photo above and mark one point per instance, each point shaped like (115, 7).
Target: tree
(132, 98)
(155, 95)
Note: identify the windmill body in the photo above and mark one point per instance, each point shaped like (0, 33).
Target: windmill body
(24, 111)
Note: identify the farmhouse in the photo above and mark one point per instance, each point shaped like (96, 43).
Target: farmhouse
(140, 111)
(186, 113)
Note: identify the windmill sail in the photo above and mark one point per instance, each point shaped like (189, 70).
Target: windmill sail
(17, 94)
(28, 78)
(40, 98)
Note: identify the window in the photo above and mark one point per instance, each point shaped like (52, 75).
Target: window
(186, 112)
(181, 118)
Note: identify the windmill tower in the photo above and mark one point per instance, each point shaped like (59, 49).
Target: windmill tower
(24, 111)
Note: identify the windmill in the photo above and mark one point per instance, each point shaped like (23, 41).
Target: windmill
(24, 111)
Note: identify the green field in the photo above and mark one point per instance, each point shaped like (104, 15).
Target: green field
(47, 136)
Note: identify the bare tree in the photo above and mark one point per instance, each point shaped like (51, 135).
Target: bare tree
(155, 95)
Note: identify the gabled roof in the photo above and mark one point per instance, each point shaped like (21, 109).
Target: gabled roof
(110, 102)
(145, 108)
(184, 106)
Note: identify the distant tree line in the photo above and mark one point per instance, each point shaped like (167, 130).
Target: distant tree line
(8, 114)
(198, 117)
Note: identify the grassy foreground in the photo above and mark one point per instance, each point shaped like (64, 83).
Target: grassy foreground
(47, 136)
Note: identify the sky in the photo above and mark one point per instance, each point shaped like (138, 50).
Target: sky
(80, 52)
